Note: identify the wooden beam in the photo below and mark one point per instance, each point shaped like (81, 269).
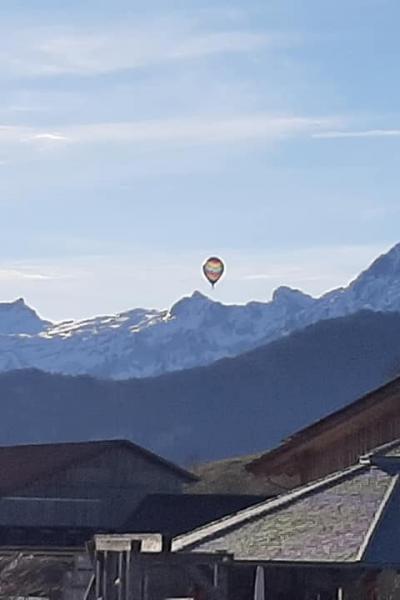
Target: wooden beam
(150, 542)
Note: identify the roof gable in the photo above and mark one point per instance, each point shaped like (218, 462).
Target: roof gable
(24, 464)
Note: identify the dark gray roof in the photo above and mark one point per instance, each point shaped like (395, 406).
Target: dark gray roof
(340, 518)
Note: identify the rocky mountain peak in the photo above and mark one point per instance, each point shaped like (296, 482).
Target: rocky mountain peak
(386, 265)
(289, 296)
(190, 305)
(17, 317)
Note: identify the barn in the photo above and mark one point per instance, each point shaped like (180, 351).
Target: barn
(63, 493)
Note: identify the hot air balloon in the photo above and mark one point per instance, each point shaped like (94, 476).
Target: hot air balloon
(213, 269)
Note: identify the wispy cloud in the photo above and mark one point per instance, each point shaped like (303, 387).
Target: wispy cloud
(45, 52)
(196, 130)
(53, 137)
(315, 270)
(17, 275)
(368, 133)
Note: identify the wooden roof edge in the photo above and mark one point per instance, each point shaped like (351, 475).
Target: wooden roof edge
(320, 426)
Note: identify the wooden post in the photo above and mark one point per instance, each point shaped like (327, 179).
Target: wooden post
(128, 559)
(121, 586)
(146, 583)
(216, 575)
(166, 543)
(136, 570)
(98, 576)
(104, 576)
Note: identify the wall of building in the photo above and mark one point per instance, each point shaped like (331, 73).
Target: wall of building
(99, 492)
(340, 445)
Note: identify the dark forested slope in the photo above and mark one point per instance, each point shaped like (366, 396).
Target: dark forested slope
(235, 406)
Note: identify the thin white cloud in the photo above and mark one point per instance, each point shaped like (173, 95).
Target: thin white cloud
(13, 134)
(194, 130)
(368, 133)
(53, 137)
(314, 270)
(17, 275)
(220, 43)
(47, 53)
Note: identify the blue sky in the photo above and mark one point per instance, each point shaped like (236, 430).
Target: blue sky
(137, 138)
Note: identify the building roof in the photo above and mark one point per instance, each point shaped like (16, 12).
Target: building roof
(173, 514)
(23, 464)
(350, 516)
(373, 398)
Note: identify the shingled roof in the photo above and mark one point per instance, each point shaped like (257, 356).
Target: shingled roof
(351, 516)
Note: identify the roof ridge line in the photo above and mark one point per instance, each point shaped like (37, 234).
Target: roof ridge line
(94, 446)
(382, 448)
(213, 528)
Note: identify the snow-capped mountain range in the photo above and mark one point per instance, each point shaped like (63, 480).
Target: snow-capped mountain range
(195, 331)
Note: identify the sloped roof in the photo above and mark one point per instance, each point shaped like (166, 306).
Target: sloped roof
(340, 518)
(373, 398)
(173, 514)
(23, 464)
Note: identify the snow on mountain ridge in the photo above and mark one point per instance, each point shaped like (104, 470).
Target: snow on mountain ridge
(131, 319)
(197, 330)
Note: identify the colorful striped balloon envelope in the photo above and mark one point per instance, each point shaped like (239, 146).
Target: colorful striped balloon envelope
(213, 269)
